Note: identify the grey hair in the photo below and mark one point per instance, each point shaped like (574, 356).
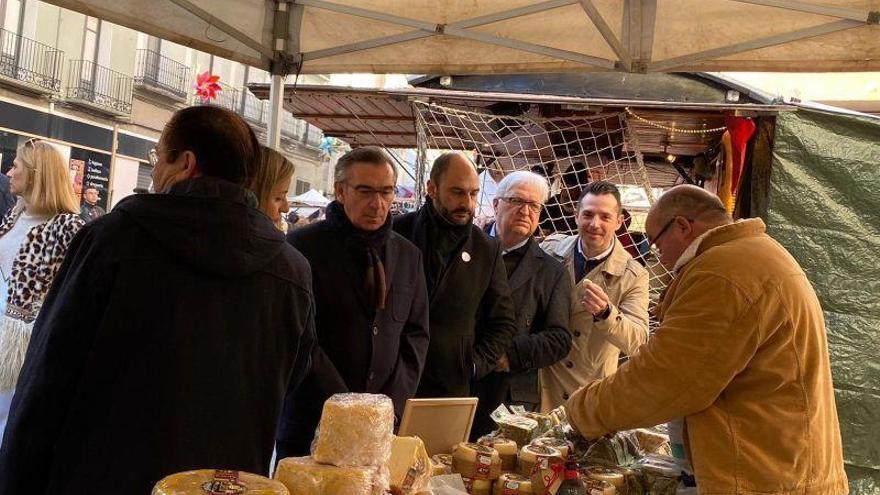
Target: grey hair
(366, 154)
(524, 177)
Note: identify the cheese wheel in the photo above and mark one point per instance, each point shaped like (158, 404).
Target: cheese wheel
(512, 484)
(506, 448)
(409, 467)
(209, 481)
(355, 430)
(535, 457)
(472, 460)
(304, 476)
(597, 487)
(441, 464)
(557, 443)
(612, 476)
(477, 487)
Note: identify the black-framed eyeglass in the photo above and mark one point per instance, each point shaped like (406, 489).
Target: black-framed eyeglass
(653, 242)
(386, 193)
(518, 203)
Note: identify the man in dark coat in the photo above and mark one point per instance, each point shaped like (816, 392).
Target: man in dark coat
(541, 291)
(89, 210)
(171, 333)
(7, 200)
(371, 305)
(471, 313)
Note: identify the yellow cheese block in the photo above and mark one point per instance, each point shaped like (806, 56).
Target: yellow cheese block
(535, 457)
(355, 430)
(612, 476)
(512, 484)
(472, 460)
(557, 443)
(409, 466)
(597, 487)
(304, 476)
(477, 487)
(506, 448)
(210, 481)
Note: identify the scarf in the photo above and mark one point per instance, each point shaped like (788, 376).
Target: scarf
(366, 247)
(444, 239)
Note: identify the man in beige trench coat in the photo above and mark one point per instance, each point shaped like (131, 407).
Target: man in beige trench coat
(609, 303)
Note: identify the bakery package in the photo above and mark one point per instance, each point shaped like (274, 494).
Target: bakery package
(305, 476)
(475, 461)
(355, 430)
(210, 481)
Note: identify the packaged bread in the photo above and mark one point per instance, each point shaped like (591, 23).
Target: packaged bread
(506, 448)
(477, 487)
(409, 467)
(560, 444)
(355, 430)
(305, 476)
(441, 464)
(472, 460)
(205, 481)
(535, 457)
(512, 484)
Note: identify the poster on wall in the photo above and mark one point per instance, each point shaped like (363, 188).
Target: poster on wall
(90, 169)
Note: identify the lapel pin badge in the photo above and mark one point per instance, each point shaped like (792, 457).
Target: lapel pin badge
(465, 256)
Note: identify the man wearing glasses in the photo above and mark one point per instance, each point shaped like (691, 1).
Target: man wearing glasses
(541, 292)
(609, 311)
(371, 313)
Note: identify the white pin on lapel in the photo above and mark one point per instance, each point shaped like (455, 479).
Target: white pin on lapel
(465, 256)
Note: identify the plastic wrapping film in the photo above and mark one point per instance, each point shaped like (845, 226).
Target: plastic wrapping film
(355, 430)
(305, 476)
(217, 481)
(824, 207)
(410, 468)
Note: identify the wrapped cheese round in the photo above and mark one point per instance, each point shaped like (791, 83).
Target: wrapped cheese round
(610, 475)
(535, 457)
(355, 430)
(598, 487)
(559, 444)
(477, 487)
(472, 460)
(506, 448)
(210, 481)
(441, 464)
(304, 476)
(512, 484)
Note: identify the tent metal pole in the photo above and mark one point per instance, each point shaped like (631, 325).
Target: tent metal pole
(276, 107)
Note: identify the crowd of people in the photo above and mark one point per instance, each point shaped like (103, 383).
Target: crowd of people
(184, 329)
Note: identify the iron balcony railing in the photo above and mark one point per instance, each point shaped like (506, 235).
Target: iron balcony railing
(314, 136)
(253, 109)
(292, 127)
(30, 62)
(228, 98)
(99, 87)
(157, 72)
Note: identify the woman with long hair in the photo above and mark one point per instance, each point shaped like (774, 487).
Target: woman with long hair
(271, 183)
(34, 237)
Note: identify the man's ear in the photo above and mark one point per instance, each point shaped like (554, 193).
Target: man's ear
(431, 189)
(188, 164)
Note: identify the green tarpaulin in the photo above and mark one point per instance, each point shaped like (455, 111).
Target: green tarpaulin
(824, 206)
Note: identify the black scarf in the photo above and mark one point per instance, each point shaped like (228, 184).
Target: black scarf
(366, 247)
(444, 239)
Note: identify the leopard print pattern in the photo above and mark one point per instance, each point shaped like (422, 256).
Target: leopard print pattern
(37, 262)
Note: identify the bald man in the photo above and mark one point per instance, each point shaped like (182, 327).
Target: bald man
(471, 312)
(740, 354)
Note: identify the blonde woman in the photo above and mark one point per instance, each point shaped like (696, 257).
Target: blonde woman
(271, 183)
(34, 237)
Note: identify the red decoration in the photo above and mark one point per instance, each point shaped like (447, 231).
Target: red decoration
(207, 86)
(741, 130)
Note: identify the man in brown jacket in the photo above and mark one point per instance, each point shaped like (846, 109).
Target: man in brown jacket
(609, 302)
(740, 354)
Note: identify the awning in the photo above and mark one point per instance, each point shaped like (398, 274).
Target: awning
(507, 36)
(310, 198)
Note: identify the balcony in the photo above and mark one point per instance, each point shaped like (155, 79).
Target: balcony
(29, 65)
(99, 88)
(292, 127)
(314, 137)
(161, 75)
(253, 109)
(228, 98)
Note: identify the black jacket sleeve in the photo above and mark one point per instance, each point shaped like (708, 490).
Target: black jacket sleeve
(497, 328)
(550, 339)
(62, 338)
(413, 347)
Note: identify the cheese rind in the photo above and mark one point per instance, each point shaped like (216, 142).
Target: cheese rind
(355, 430)
(506, 448)
(559, 444)
(202, 481)
(535, 457)
(472, 460)
(477, 487)
(512, 484)
(409, 467)
(305, 476)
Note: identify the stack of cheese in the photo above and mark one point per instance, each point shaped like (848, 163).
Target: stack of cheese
(351, 449)
(206, 481)
(478, 465)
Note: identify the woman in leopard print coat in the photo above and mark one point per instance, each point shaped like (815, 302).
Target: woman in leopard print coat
(34, 237)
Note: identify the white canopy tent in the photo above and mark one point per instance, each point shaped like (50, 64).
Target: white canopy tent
(311, 198)
(507, 36)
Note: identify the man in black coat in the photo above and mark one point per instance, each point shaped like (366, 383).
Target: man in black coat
(541, 291)
(171, 334)
(7, 200)
(471, 313)
(370, 298)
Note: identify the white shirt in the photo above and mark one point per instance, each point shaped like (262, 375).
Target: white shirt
(599, 257)
(494, 233)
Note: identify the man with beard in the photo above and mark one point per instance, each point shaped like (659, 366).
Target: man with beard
(371, 313)
(471, 312)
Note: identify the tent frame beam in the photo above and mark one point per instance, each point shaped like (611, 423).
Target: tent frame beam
(225, 27)
(603, 27)
(714, 53)
(812, 8)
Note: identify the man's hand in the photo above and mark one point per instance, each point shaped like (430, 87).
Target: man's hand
(595, 299)
(503, 364)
